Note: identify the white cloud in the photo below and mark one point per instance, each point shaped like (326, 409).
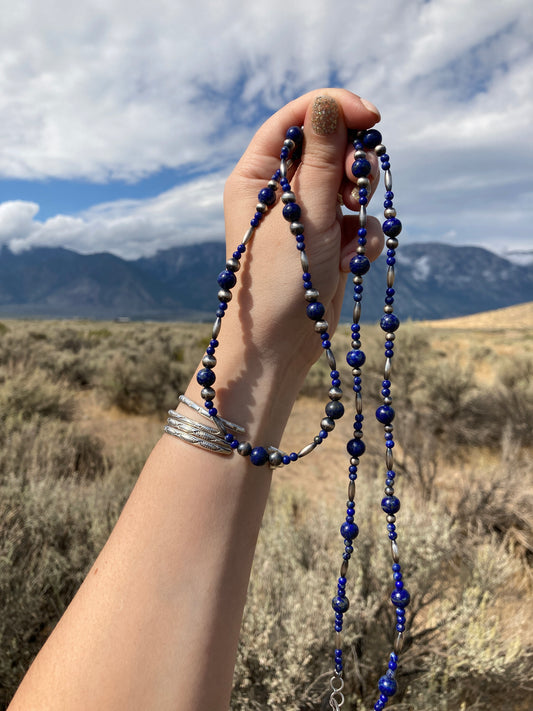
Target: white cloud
(122, 89)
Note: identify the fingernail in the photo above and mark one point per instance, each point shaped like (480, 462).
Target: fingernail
(368, 105)
(324, 116)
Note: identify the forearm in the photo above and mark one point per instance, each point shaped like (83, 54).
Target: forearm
(156, 623)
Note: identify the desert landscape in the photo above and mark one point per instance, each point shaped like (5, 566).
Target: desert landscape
(83, 402)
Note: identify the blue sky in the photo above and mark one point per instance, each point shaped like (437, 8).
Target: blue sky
(120, 119)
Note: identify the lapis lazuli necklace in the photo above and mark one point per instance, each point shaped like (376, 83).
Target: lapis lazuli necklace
(219, 439)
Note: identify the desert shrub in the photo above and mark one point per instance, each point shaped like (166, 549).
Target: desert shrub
(25, 395)
(461, 596)
(51, 530)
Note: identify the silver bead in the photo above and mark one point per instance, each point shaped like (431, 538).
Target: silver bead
(363, 183)
(398, 643)
(248, 236)
(387, 401)
(390, 275)
(356, 312)
(387, 370)
(354, 461)
(296, 228)
(388, 309)
(321, 326)
(395, 552)
(289, 143)
(233, 265)
(388, 180)
(388, 428)
(307, 449)
(391, 518)
(380, 149)
(356, 345)
(357, 279)
(390, 212)
(261, 207)
(389, 460)
(272, 184)
(328, 424)
(224, 295)
(351, 490)
(359, 154)
(311, 294)
(283, 168)
(304, 261)
(356, 372)
(209, 361)
(275, 458)
(207, 393)
(244, 449)
(390, 336)
(331, 359)
(334, 393)
(357, 434)
(216, 327)
(289, 196)
(361, 249)
(358, 403)
(362, 215)
(389, 492)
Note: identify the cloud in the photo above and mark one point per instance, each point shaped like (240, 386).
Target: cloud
(128, 228)
(120, 90)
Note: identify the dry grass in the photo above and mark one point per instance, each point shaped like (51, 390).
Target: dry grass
(70, 391)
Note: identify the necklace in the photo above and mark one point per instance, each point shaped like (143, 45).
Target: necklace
(221, 438)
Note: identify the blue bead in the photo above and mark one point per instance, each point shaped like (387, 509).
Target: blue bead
(340, 604)
(205, 377)
(385, 414)
(390, 323)
(234, 444)
(387, 685)
(315, 310)
(392, 227)
(229, 438)
(361, 232)
(363, 200)
(356, 447)
(355, 358)
(359, 264)
(349, 531)
(390, 504)
(227, 279)
(400, 598)
(295, 134)
(286, 459)
(267, 195)
(292, 212)
(361, 168)
(391, 261)
(293, 456)
(335, 409)
(371, 138)
(259, 456)
(385, 165)
(254, 222)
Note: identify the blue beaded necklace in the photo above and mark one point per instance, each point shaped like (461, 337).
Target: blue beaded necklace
(259, 455)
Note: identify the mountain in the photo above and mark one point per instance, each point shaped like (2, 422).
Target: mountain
(433, 281)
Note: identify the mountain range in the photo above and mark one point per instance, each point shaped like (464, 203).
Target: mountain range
(433, 281)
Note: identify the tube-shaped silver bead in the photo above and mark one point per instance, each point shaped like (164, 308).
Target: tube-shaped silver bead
(398, 643)
(362, 215)
(394, 551)
(389, 459)
(248, 235)
(390, 275)
(331, 359)
(307, 449)
(216, 327)
(388, 180)
(387, 370)
(283, 168)
(356, 312)
(304, 261)
(358, 403)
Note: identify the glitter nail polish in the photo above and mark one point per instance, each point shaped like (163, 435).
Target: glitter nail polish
(325, 115)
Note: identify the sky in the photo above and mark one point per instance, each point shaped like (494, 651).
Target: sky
(121, 119)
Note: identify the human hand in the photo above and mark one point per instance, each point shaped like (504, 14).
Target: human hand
(268, 306)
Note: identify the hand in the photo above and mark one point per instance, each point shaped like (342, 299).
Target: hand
(268, 308)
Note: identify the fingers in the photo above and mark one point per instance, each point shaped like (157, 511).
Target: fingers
(375, 239)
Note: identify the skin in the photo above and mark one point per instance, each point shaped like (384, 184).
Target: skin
(155, 625)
